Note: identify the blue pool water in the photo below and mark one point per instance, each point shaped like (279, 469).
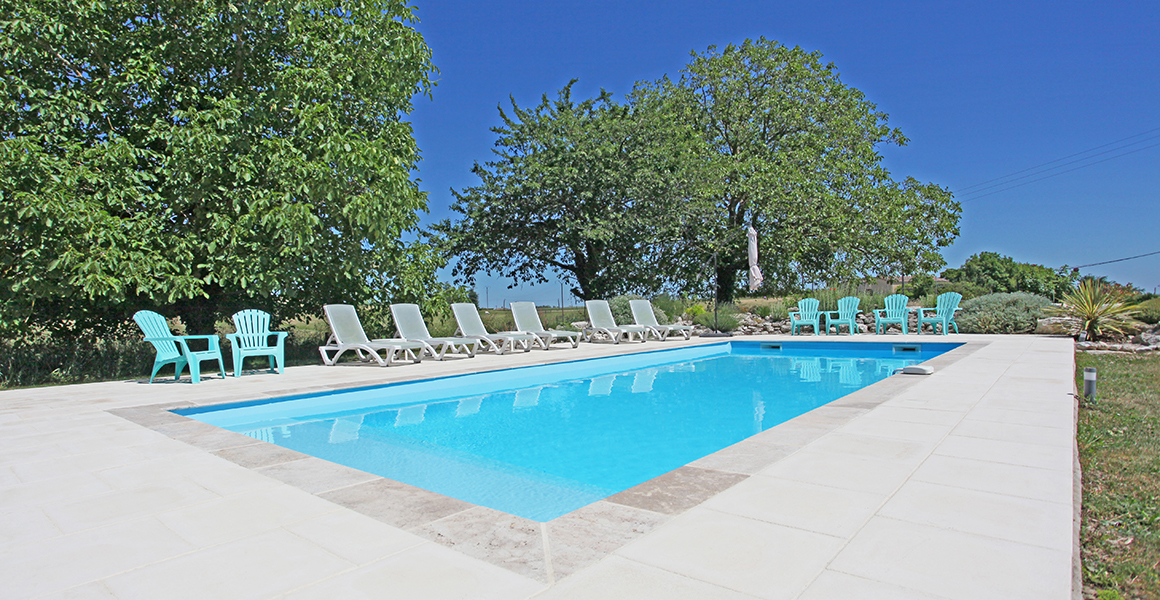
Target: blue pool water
(540, 442)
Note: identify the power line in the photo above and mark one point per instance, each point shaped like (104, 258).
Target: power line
(1072, 162)
(1108, 262)
(1064, 158)
(1059, 173)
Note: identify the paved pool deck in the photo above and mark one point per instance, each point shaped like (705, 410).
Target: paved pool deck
(956, 485)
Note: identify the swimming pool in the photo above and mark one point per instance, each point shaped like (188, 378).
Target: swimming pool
(539, 442)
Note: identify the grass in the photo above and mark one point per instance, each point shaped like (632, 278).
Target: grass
(1119, 445)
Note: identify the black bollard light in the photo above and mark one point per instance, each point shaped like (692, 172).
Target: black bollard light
(1089, 382)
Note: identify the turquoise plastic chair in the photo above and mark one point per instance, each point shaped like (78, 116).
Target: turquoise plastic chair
(944, 313)
(807, 314)
(847, 314)
(253, 339)
(174, 349)
(895, 312)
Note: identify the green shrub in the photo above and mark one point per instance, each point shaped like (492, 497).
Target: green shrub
(1149, 311)
(670, 305)
(1017, 312)
(695, 310)
(967, 289)
(726, 318)
(762, 310)
(622, 310)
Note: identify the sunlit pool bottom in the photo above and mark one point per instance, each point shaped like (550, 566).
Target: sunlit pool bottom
(539, 442)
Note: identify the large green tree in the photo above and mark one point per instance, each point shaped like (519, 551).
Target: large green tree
(786, 147)
(579, 189)
(997, 273)
(205, 156)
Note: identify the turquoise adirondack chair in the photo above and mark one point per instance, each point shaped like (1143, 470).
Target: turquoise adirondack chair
(174, 349)
(807, 314)
(253, 339)
(944, 313)
(847, 314)
(895, 312)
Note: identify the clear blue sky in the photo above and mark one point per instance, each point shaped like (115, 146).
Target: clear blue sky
(981, 89)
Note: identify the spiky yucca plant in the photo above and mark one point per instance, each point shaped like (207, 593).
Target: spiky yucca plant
(1098, 306)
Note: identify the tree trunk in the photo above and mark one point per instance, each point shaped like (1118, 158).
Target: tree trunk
(726, 278)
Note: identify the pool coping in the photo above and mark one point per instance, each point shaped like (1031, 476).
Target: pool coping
(545, 552)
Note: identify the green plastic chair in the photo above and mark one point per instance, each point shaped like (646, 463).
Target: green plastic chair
(253, 339)
(944, 313)
(174, 349)
(807, 314)
(847, 314)
(895, 312)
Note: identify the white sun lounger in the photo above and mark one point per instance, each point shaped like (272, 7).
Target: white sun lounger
(528, 321)
(471, 326)
(409, 322)
(346, 333)
(600, 320)
(642, 313)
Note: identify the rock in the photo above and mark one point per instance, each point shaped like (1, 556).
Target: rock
(580, 325)
(1057, 326)
(1151, 338)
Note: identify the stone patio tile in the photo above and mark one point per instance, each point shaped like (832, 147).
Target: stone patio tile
(583, 537)
(48, 491)
(903, 430)
(259, 455)
(18, 435)
(504, 540)
(395, 503)
(30, 437)
(832, 585)
(242, 515)
(67, 561)
(618, 577)
(96, 590)
(354, 537)
(8, 477)
(830, 416)
(25, 525)
(111, 441)
(998, 478)
(746, 457)
(954, 564)
(78, 463)
(1030, 402)
(757, 558)
(997, 414)
(956, 402)
(823, 509)
(1023, 520)
(793, 434)
(426, 572)
(32, 454)
(257, 567)
(124, 505)
(316, 475)
(1029, 434)
(842, 471)
(678, 490)
(211, 472)
(1013, 453)
(874, 446)
(912, 415)
(214, 439)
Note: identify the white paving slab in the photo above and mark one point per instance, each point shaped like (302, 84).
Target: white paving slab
(959, 486)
